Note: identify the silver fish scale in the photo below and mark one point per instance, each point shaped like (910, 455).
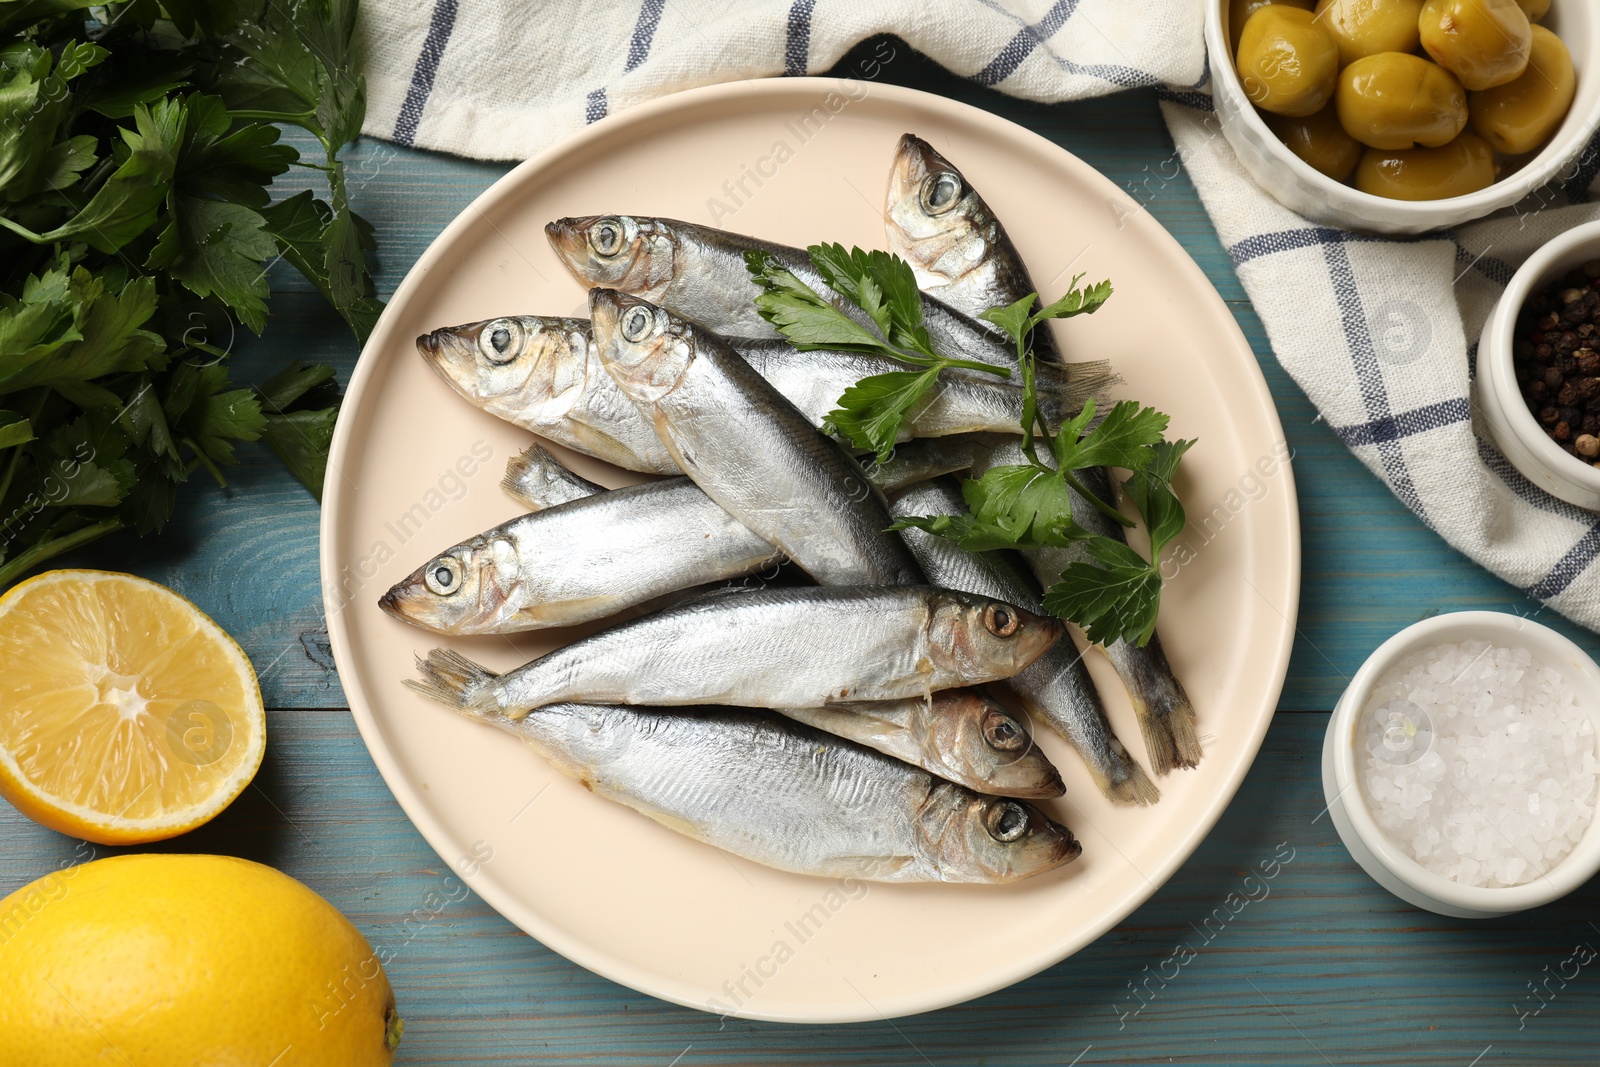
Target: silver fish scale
(764, 648)
(711, 285)
(1166, 716)
(590, 558)
(782, 795)
(791, 485)
(1056, 687)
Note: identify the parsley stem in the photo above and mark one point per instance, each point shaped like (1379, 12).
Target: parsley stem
(306, 120)
(21, 231)
(1079, 488)
(970, 364)
(1031, 422)
(16, 457)
(205, 461)
(1030, 405)
(41, 552)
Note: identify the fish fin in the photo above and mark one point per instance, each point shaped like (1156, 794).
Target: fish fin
(1166, 717)
(1171, 738)
(524, 467)
(456, 682)
(1135, 786)
(675, 823)
(517, 468)
(1072, 385)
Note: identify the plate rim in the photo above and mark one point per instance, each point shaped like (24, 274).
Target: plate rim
(574, 948)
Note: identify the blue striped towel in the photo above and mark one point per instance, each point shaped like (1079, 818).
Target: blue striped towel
(1379, 333)
(506, 80)
(1382, 335)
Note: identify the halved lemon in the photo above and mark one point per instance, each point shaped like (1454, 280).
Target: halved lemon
(126, 714)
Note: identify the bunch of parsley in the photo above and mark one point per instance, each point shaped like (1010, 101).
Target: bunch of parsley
(137, 144)
(1112, 591)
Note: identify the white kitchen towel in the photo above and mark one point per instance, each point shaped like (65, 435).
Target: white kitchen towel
(1379, 333)
(504, 80)
(1382, 336)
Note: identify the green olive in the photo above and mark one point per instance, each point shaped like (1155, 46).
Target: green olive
(1483, 42)
(1534, 9)
(1319, 140)
(1287, 62)
(1239, 12)
(1364, 28)
(1463, 166)
(1520, 116)
(1394, 101)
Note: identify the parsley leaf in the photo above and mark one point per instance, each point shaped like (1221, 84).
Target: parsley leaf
(1075, 302)
(1124, 438)
(1151, 491)
(137, 155)
(65, 161)
(125, 206)
(871, 412)
(1119, 599)
(300, 405)
(1111, 591)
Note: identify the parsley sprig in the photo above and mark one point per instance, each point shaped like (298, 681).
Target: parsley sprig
(1110, 590)
(884, 288)
(137, 148)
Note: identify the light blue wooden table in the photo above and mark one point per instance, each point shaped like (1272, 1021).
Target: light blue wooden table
(1328, 969)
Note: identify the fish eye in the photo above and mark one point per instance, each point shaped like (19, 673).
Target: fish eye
(1000, 620)
(501, 340)
(605, 237)
(940, 192)
(637, 323)
(443, 576)
(1006, 820)
(1003, 732)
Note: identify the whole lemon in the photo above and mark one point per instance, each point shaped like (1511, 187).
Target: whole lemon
(209, 961)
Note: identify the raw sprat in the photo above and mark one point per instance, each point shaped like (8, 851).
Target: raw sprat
(842, 349)
(924, 233)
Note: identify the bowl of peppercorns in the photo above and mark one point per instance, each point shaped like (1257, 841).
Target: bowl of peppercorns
(1538, 380)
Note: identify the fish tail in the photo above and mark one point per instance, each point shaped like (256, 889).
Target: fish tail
(518, 468)
(1172, 739)
(1132, 784)
(523, 466)
(1065, 389)
(456, 682)
(1166, 717)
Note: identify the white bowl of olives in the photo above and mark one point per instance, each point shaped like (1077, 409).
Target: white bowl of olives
(1404, 116)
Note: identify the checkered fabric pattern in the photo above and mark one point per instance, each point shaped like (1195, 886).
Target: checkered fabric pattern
(1380, 333)
(506, 80)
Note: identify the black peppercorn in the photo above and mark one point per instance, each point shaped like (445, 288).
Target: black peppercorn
(1556, 357)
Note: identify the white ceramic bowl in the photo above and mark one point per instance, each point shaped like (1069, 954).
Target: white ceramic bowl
(1342, 758)
(1515, 430)
(1308, 192)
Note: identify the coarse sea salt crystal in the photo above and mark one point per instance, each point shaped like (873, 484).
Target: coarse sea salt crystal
(1479, 763)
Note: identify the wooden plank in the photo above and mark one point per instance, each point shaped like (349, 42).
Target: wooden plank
(1322, 961)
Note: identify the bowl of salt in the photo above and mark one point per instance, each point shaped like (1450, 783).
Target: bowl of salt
(1460, 765)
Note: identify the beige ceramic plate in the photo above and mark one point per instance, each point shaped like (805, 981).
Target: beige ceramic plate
(414, 469)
